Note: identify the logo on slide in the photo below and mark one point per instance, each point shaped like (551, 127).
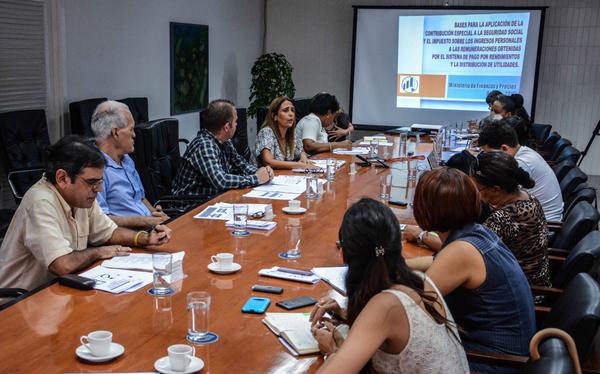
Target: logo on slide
(409, 84)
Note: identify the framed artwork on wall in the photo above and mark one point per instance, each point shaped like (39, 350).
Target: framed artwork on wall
(189, 67)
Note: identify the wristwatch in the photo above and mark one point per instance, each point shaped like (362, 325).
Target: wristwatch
(420, 237)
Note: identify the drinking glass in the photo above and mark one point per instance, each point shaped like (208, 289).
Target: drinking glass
(240, 219)
(402, 144)
(198, 306)
(162, 267)
(385, 183)
(373, 148)
(331, 166)
(312, 186)
(294, 238)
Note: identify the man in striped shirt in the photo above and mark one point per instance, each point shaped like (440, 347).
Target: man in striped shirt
(211, 165)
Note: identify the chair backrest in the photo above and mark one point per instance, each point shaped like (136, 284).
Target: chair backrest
(583, 192)
(157, 155)
(562, 168)
(569, 153)
(550, 141)
(81, 115)
(23, 138)
(554, 359)
(583, 259)
(582, 219)
(577, 312)
(572, 179)
(541, 131)
(138, 106)
(261, 114)
(240, 138)
(560, 144)
(302, 106)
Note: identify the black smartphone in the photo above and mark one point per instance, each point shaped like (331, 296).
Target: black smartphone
(364, 162)
(77, 281)
(399, 202)
(267, 289)
(297, 302)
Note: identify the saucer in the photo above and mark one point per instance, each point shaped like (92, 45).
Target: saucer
(219, 270)
(115, 351)
(289, 210)
(163, 365)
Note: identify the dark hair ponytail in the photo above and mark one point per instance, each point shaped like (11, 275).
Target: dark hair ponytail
(372, 248)
(502, 170)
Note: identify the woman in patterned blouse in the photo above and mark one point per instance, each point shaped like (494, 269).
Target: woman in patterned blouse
(277, 145)
(517, 217)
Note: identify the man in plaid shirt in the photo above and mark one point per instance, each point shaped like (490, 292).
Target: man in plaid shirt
(211, 165)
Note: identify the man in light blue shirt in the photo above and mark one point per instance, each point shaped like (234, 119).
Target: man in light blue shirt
(122, 197)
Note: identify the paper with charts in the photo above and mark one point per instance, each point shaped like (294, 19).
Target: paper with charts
(224, 211)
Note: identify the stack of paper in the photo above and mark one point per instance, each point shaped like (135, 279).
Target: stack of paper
(320, 166)
(379, 138)
(293, 330)
(118, 280)
(335, 276)
(282, 187)
(275, 273)
(224, 211)
(353, 151)
(255, 225)
(139, 261)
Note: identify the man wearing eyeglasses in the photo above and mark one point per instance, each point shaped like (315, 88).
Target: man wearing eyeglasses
(59, 227)
(122, 196)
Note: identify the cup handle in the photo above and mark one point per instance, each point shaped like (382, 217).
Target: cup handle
(213, 259)
(85, 341)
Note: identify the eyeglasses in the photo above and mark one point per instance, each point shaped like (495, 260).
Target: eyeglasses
(93, 184)
(338, 244)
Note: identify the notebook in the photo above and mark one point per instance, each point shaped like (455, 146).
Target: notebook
(335, 276)
(293, 330)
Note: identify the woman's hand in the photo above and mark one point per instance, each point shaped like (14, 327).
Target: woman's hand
(411, 233)
(325, 305)
(323, 333)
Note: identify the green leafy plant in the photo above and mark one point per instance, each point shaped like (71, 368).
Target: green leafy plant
(271, 78)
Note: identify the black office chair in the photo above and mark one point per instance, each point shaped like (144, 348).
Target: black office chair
(583, 258)
(583, 192)
(302, 106)
(576, 312)
(157, 159)
(81, 115)
(6, 216)
(541, 132)
(138, 106)
(572, 179)
(240, 138)
(560, 144)
(261, 114)
(552, 351)
(582, 219)
(562, 168)
(23, 138)
(568, 153)
(546, 149)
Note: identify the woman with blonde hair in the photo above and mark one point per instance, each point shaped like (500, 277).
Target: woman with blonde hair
(277, 145)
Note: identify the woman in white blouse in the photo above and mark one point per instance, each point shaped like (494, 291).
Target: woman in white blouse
(277, 145)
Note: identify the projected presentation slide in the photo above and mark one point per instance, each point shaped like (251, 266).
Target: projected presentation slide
(452, 61)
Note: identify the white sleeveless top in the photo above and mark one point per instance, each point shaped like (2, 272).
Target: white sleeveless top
(431, 348)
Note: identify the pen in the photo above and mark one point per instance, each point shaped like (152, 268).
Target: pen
(152, 228)
(295, 271)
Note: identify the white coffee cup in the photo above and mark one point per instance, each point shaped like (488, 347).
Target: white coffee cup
(98, 342)
(180, 356)
(294, 204)
(223, 260)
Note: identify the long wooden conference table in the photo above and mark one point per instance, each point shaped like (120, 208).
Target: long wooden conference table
(40, 333)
